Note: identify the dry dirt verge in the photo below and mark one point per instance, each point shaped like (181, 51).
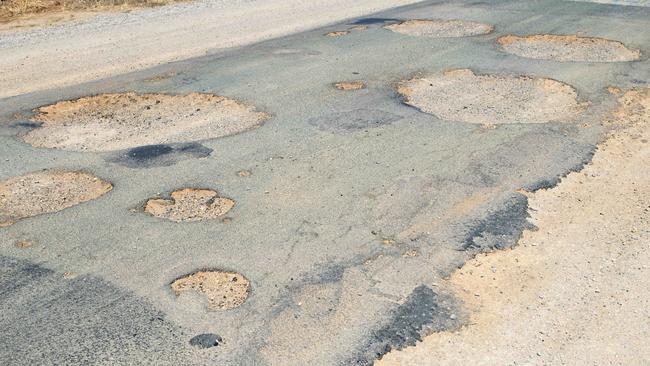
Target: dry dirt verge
(460, 95)
(438, 28)
(125, 120)
(35, 10)
(576, 291)
(224, 290)
(568, 48)
(46, 192)
(190, 204)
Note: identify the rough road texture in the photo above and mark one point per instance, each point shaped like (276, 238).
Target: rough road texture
(577, 290)
(45, 192)
(118, 121)
(568, 48)
(223, 290)
(461, 95)
(189, 204)
(438, 28)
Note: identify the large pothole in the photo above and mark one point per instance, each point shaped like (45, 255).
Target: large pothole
(224, 290)
(125, 120)
(568, 48)
(439, 28)
(460, 95)
(189, 204)
(46, 192)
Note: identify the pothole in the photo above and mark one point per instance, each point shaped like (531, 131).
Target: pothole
(224, 290)
(460, 95)
(119, 121)
(568, 48)
(439, 28)
(189, 204)
(350, 85)
(206, 340)
(46, 191)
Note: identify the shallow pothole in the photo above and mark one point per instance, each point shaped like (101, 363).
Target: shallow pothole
(350, 85)
(189, 204)
(46, 191)
(568, 48)
(440, 28)
(118, 121)
(223, 290)
(460, 95)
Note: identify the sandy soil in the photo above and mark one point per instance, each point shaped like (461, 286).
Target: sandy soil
(576, 291)
(440, 28)
(568, 48)
(46, 192)
(461, 95)
(190, 204)
(224, 290)
(112, 44)
(120, 121)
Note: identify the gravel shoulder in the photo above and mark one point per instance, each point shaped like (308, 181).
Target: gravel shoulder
(575, 291)
(116, 43)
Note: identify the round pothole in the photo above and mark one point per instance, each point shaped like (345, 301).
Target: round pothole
(189, 204)
(125, 120)
(440, 28)
(568, 48)
(460, 95)
(46, 192)
(223, 290)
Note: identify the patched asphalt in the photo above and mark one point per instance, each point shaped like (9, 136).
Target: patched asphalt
(358, 206)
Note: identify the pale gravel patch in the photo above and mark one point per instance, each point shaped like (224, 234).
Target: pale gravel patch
(223, 290)
(190, 204)
(46, 191)
(566, 48)
(118, 121)
(460, 95)
(439, 28)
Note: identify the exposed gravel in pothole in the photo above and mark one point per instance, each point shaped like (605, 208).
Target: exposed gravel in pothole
(350, 85)
(337, 33)
(189, 204)
(46, 192)
(568, 48)
(460, 95)
(440, 28)
(224, 290)
(125, 120)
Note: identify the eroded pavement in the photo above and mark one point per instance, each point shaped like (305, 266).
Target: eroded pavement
(298, 221)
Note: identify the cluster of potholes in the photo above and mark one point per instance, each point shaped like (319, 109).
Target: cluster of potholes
(150, 124)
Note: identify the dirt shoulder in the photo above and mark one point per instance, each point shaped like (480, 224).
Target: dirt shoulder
(576, 291)
(115, 43)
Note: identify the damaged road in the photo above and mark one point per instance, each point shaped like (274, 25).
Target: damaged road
(265, 213)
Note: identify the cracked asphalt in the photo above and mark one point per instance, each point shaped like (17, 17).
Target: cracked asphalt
(355, 206)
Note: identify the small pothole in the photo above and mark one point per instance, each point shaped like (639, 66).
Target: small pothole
(568, 48)
(460, 95)
(350, 85)
(108, 122)
(47, 191)
(206, 340)
(189, 204)
(440, 28)
(223, 290)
